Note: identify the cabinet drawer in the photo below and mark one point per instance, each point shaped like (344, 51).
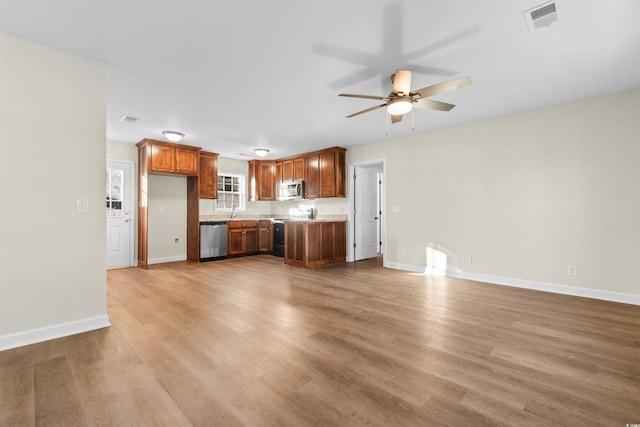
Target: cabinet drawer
(243, 224)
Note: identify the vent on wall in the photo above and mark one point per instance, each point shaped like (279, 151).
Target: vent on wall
(541, 16)
(129, 119)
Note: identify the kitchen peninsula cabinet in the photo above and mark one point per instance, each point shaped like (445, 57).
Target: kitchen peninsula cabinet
(243, 237)
(208, 175)
(165, 157)
(326, 173)
(311, 244)
(262, 180)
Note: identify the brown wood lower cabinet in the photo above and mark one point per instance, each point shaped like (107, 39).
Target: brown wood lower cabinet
(243, 237)
(314, 243)
(265, 236)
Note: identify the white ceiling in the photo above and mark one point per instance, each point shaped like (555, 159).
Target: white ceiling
(236, 75)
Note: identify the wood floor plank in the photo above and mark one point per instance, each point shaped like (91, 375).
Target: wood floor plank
(56, 397)
(251, 341)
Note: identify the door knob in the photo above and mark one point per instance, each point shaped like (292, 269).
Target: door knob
(126, 220)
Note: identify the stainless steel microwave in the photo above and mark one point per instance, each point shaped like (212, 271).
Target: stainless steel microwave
(291, 190)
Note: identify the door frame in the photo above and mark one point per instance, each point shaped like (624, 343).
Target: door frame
(134, 209)
(351, 200)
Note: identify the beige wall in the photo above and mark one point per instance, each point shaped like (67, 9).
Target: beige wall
(524, 196)
(52, 153)
(167, 218)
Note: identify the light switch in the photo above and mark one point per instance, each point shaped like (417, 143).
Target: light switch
(82, 205)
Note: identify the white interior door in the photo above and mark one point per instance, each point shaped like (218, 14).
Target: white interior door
(365, 215)
(119, 214)
(379, 193)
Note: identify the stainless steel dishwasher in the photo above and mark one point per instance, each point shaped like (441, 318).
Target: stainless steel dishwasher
(213, 240)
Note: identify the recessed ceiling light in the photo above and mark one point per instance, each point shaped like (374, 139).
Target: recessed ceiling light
(172, 135)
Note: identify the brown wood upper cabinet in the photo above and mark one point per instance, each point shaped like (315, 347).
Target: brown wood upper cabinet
(293, 169)
(262, 180)
(208, 175)
(326, 173)
(289, 170)
(166, 157)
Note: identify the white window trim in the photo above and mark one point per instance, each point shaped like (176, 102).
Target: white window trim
(243, 195)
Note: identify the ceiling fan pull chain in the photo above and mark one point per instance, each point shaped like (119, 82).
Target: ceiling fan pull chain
(386, 123)
(413, 120)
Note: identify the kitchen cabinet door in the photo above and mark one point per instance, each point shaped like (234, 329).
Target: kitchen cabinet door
(208, 175)
(251, 240)
(235, 245)
(327, 174)
(262, 180)
(287, 170)
(187, 161)
(267, 180)
(311, 187)
(265, 238)
(299, 169)
(162, 158)
(278, 174)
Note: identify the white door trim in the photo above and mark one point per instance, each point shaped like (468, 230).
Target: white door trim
(351, 201)
(134, 207)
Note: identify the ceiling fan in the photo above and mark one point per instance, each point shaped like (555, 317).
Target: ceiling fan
(401, 100)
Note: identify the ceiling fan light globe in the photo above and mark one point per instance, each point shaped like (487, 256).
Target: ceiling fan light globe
(399, 106)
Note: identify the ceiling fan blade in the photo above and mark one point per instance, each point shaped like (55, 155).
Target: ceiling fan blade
(430, 104)
(442, 87)
(351, 95)
(395, 118)
(402, 82)
(366, 111)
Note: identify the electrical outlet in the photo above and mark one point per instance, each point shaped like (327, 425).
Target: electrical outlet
(572, 270)
(82, 205)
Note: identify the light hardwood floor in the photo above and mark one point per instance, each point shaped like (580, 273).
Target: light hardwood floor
(250, 341)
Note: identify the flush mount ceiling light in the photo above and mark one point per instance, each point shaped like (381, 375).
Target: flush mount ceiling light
(261, 152)
(399, 106)
(172, 135)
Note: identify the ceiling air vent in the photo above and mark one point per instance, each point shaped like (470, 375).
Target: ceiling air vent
(541, 16)
(129, 119)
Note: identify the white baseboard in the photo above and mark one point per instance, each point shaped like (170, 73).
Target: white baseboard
(548, 287)
(527, 284)
(406, 267)
(167, 259)
(47, 333)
